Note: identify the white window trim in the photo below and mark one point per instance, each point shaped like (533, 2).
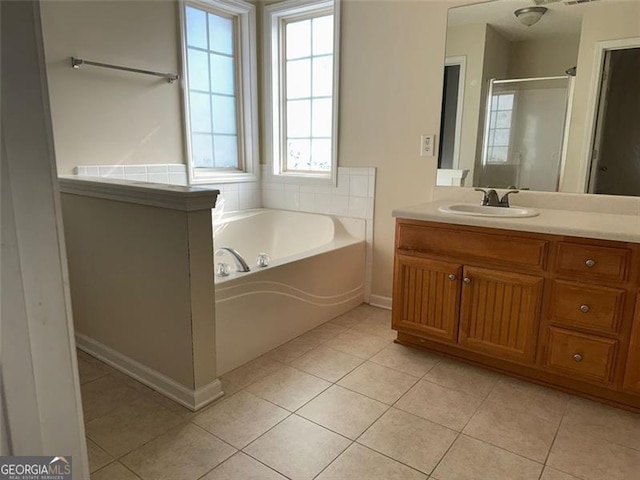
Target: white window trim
(248, 92)
(273, 14)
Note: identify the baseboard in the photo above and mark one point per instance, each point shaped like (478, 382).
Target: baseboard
(189, 398)
(380, 301)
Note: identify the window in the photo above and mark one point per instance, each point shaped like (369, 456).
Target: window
(499, 132)
(219, 60)
(300, 78)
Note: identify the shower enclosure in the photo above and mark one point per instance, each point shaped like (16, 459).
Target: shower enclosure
(523, 142)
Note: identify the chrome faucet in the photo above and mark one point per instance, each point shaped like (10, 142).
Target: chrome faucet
(490, 198)
(241, 264)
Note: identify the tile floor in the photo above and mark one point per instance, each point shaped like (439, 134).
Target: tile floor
(343, 402)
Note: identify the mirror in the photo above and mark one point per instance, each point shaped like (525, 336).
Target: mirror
(542, 95)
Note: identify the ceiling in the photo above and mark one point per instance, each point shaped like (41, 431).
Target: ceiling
(560, 19)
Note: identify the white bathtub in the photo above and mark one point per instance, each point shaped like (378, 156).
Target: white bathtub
(316, 272)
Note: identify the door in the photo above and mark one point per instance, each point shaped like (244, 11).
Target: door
(426, 298)
(615, 168)
(499, 313)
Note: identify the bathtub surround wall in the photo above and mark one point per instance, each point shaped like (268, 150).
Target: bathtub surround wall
(141, 267)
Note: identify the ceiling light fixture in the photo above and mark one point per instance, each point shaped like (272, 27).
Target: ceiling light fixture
(530, 15)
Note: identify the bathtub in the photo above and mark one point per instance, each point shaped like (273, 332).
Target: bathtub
(316, 272)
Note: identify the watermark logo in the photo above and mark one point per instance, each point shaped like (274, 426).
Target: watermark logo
(35, 468)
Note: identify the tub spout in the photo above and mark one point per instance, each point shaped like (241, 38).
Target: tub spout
(241, 264)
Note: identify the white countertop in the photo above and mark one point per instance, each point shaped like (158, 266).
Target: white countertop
(604, 226)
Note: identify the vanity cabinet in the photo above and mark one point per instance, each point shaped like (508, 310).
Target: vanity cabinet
(553, 309)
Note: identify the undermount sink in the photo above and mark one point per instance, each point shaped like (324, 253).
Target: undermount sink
(484, 211)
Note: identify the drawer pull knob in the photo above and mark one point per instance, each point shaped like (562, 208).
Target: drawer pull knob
(452, 277)
(466, 280)
(584, 308)
(590, 263)
(577, 357)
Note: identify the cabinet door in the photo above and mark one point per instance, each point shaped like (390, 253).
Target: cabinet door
(426, 297)
(500, 313)
(632, 372)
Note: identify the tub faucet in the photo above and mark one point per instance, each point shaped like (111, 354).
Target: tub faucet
(241, 264)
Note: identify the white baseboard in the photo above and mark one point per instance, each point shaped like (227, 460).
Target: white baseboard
(380, 301)
(187, 397)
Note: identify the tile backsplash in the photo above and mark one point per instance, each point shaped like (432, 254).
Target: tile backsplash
(167, 173)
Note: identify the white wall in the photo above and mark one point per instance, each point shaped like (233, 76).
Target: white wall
(391, 88)
(546, 57)
(105, 116)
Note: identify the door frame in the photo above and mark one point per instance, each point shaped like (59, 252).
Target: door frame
(593, 102)
(461, 61)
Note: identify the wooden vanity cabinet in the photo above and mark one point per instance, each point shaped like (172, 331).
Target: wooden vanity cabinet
(553, 309)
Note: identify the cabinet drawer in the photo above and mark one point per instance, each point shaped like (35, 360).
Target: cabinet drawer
(587, 357)
(497, 248)
(588, 306)
(592, 261)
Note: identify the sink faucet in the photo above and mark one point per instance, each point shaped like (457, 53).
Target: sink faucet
(490, 198)
(241, 264)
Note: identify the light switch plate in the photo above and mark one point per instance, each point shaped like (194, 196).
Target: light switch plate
(427, 145)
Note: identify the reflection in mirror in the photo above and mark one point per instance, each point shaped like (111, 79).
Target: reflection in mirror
(523, 134)
(522, 102)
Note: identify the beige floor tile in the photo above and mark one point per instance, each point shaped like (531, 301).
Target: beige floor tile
(513, 430)
(240, 419)
(326, 331)
(463, 377)
(104, 395)
(89, 371)
(171, 405)
(242, 467)
(405, 359)
(358, 462)
(378, 382)
(530, 398)
(289, 388)
(131, 425)
(355, 316)
(377, 324)
(409, 439)
(551, 474)
(471, 459)
(592, 458)
(98, 458)
(115, 471)
(297, 448)
(441, 405)
(295, 348)
(603, 421)
(249, 373)
(184, 453)
(343, 411)
(358, 343)
(327, 363)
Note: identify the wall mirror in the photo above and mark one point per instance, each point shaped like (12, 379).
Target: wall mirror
(542, 95)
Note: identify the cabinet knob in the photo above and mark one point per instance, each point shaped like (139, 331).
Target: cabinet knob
(452, 277)
(466, 280)
(577, 357)
(590, 263)
(584, 308)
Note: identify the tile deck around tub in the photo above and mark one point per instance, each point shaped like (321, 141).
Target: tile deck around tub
(343, 402)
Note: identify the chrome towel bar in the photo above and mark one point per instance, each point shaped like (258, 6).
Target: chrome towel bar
(78, 62)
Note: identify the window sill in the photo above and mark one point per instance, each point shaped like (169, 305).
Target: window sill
(207, 178)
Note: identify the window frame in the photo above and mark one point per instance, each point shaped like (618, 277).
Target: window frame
(487, 145)
(275, 17)
(244, 15)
